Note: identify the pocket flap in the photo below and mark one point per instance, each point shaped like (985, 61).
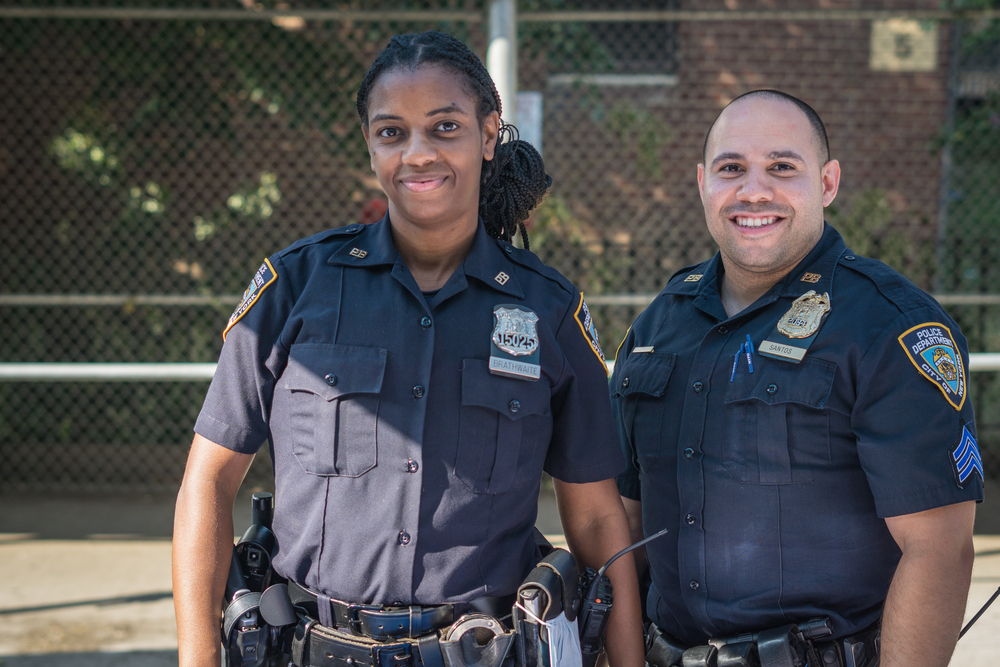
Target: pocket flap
(645, 373)
(508, 396)
(808, 382)
(331, 371)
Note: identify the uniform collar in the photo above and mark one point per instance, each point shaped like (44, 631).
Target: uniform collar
(815, 271)
(487, 260)
(372, 246)
(702, 281)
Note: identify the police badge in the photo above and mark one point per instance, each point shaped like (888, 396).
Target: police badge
(799, 324)
(806, 314)
(514, 343)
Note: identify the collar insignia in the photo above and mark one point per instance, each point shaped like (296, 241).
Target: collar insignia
(502, 278)
(359, 253)
(811, 277)
(694, 277)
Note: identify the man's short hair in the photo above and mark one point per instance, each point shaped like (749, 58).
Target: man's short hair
(814, 120)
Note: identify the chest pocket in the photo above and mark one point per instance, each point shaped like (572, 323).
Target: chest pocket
(500, 422)
(777, 425)
(641, 383)
(333, 407)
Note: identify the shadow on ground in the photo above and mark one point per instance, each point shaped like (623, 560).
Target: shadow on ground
(128, 659)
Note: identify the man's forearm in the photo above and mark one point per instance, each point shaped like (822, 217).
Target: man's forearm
(924, 610)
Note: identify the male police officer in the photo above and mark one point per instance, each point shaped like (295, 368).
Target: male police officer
(797, 416)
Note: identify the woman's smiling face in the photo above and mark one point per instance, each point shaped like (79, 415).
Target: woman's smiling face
(426, 144)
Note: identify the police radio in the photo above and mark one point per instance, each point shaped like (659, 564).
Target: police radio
(596, 604)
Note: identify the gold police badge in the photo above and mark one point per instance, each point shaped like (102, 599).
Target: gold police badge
(806, 314)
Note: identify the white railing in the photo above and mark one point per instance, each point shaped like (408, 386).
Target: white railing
(179, 372)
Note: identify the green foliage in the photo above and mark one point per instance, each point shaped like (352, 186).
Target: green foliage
(562, 238)
(562, 44)
(866, 224)
(640, 134)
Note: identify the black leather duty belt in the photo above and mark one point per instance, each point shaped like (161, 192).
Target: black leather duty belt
(378, 622)
(318, 646)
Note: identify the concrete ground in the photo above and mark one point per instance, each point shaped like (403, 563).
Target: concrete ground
(86, 582)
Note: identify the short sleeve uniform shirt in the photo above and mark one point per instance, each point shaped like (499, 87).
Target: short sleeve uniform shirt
(405, 471)
(775, 484)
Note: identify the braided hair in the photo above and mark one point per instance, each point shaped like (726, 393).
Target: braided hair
(514, 181)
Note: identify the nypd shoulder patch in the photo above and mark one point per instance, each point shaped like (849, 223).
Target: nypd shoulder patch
(261, 281)
(966, 459)
(586, 323)
(932, 349)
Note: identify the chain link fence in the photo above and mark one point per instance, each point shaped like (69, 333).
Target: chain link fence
(152, 153)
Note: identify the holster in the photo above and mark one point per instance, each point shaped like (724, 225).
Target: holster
(549, 590)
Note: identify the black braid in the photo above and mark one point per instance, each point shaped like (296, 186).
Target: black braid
(514, 181)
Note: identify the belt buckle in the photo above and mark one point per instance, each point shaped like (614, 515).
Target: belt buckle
(354, 618)
(392, 655)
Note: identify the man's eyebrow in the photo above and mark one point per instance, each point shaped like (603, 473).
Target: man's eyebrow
(384, 116)
(785, 154)
(722, 157)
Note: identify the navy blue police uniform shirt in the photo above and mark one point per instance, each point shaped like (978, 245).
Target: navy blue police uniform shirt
(775, 485)
(405, 472)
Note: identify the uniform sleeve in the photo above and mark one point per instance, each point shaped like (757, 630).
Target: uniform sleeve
(237, 407)
(583, 446)
(913, 417)
(628, 479)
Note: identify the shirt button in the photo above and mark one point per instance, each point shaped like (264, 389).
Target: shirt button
(690, 519)
(849, 257)
(418, 392)
(331, 379)
(404, 537)
(694, 585)
(624, 383)
(772, 389)
(697, 386)
(723, 330)
(412, 466)
(514, 405)
(508, 249)
(425, 322)
(688, 453)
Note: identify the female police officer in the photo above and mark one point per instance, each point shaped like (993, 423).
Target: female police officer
(414, 377)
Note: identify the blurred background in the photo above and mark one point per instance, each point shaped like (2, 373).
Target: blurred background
(153, 152)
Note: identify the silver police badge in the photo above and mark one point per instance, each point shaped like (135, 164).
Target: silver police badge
(515, 331)
(514, 343)
(806, 314)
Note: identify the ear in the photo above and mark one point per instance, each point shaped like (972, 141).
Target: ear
(830, 176)
(491, 131)
(701, 182)
(368, 143)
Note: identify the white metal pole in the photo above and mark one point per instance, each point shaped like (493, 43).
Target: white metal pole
(501, 54)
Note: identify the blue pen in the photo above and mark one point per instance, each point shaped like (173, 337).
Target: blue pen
(749, 348)
(736, 360)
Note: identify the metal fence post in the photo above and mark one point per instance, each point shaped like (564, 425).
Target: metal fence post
(501, 54)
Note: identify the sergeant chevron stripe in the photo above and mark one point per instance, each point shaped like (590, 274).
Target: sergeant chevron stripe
(966, 457)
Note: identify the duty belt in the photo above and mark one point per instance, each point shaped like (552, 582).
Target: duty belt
(385, 622)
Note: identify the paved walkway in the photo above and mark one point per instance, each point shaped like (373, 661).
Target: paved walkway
(87, 584)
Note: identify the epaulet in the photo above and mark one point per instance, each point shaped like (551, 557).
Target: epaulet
(530, 261)
(323, 237)
(890, 283)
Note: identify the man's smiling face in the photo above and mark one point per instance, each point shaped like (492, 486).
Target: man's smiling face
(764, 185)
